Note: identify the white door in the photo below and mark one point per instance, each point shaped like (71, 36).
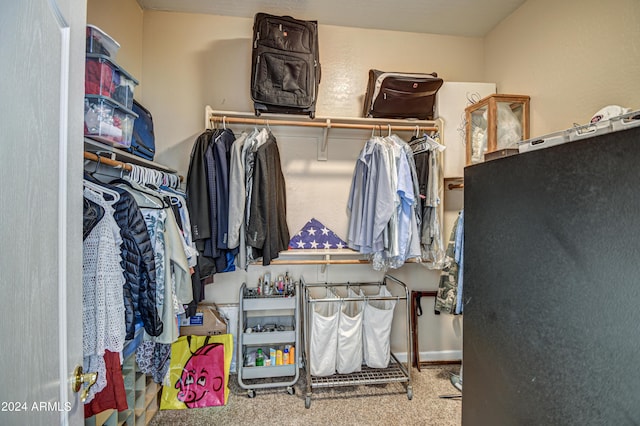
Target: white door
(41, 85)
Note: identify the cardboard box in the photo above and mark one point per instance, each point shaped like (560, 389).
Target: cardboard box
(206, 322)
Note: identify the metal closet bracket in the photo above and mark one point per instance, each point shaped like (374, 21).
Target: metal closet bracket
(323, 145)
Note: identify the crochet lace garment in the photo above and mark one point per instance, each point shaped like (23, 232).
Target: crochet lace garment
(102, 296)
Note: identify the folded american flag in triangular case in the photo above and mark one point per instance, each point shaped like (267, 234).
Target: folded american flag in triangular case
(314, 235)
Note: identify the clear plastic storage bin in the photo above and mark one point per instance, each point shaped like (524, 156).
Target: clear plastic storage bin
(107, 121)
(101, 43)
(104, 77)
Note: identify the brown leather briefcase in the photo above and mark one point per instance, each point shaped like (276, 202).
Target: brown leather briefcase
(401, 95)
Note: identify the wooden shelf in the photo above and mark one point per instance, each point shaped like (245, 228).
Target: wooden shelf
(103, 417)
(319, 257)
(123, 417)
(322, 257)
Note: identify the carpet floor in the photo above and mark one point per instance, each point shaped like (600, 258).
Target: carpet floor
(384, 404)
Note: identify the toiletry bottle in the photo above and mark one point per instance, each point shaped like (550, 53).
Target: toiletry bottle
(259, 358)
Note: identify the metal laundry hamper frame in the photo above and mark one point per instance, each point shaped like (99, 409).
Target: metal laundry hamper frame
(396, 372)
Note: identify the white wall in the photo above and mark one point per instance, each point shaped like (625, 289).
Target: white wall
(572, 57)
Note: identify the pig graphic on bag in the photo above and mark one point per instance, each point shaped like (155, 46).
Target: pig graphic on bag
(200, 384)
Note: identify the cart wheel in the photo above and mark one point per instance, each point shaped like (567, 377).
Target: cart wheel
(410, 393)
(251, 393)
(312, 115)
(257, 113)
(291, 390)
(307, 402)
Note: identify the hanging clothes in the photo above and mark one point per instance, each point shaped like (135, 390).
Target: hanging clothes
(371, 199)
(172, 269)
(403, 232)
(198, 201)
(138, 261)
(208, 200)
(459, 259)
(124, 276)
(250, 148)
(170, 256)
(183, 218)
(154, 359)
(217, 168)
(429, 167)
(247, 217)
(197, 189)
(267, 231)
(103, 327)
(91, 215)
(178, 200)
(173, 279)
(237, 199)
(449, 297)
(114, 394)
(222, 156)
(383, 215)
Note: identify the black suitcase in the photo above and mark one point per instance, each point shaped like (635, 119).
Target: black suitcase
(285, 66)
(401, 95)
(143, 140)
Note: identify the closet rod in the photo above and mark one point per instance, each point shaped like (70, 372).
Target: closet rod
(328, 123)
(115, 163)
(106, 160)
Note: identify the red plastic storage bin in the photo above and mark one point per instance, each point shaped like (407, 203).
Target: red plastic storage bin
(105, 78)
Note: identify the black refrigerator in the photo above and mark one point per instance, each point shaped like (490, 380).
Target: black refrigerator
(552, 285)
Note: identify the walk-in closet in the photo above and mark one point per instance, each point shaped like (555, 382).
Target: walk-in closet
(331, 212)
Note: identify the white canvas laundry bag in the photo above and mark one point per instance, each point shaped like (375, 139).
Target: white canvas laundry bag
(324, 336)
(378, 316)
(349, 355)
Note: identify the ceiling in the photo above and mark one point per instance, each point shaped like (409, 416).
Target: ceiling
(471, 18)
